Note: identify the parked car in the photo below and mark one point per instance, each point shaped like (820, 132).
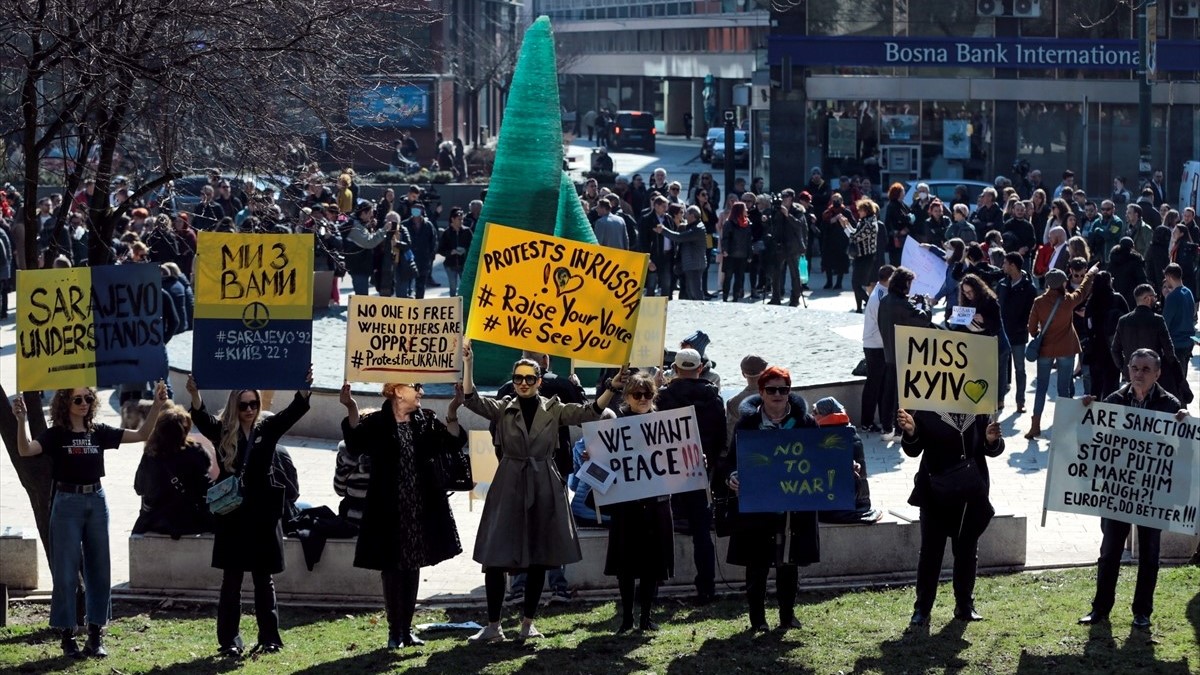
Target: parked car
(632, 129)
(187, 189)
(741, 149)
(943, 189)
(709, 140)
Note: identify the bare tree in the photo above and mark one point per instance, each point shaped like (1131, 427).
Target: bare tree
(177, 85)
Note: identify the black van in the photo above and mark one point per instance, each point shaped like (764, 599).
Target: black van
(632, 129)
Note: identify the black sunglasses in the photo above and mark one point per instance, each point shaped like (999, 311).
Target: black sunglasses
(524, 379)
(776, 390)
(247, 405)
(80, 400)
(641, 395)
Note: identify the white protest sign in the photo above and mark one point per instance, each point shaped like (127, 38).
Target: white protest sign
(1128, 464)
(652, 455)
(962, 316)
(403, 340)
(929, 270)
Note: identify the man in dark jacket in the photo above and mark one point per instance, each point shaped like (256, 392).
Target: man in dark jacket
(1016, 294)
(989, 216)
(1142, 391)
(1019, 231)
(689, 389)
(660, 249)
(424, 246)
(895, 309)
(1143, 329)
(789, 232)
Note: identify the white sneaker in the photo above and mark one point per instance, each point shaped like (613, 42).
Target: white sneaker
(528, 630)
(887, 436)
(488, 633)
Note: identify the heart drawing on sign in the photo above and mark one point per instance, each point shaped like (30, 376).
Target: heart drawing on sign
(564, 281)
(975, 389)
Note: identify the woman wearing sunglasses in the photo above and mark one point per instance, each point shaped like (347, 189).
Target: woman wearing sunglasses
(757, 542)
(249, 538)
(641, 541)
(75, 444)
(526, 525)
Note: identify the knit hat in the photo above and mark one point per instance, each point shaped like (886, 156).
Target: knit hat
(1056, 278)
(753, 365)
(828, 406)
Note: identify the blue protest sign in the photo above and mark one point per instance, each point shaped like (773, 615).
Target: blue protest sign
(796, 470)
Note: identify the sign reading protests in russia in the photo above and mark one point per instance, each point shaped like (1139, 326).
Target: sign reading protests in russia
(947, 371)
(1137, 466)
(556, 296)
(403, 340)
(89, 326)
(795, 470)
(652, 455)
(649, 337)
(253, 325)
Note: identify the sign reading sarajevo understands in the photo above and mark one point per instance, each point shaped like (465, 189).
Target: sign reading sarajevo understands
(1134, 465)
(253, 324)
(946, 371)
(652, 455)
(795, 470)
(402, 340)
(89, 326)
(556, 296)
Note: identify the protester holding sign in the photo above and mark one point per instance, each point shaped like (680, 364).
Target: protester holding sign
(765, 540)
(951, 489)
(407, 523)
(974, 293)
(249, 538)
(1142, 391)
(75, 445)
(526, 523)
(641, 541)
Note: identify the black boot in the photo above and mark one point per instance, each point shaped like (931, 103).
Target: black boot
(69, 647)
(95, 642)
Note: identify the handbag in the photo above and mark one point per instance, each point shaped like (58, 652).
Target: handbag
(1034, 347)
(452, 470)
(961, 482)
(226, 496)
(725, 512)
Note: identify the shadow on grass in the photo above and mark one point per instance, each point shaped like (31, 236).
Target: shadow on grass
(746, 651)
(1101, 654)
(1193, 615)
(920, 649)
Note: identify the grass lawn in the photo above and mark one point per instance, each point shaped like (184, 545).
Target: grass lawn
(1030, 628)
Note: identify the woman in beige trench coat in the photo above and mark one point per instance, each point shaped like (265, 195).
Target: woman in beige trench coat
(526, 523)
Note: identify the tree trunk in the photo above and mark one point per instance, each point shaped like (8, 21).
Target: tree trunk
(34, 472)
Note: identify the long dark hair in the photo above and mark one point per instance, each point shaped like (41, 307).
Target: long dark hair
(985, 297)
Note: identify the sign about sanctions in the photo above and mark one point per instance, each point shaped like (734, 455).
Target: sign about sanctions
(253, 326)
(947, 370)
(1128, 464)
(89, 326)
(402, 340)
(796, 470)
(652, 455)
(556, 296)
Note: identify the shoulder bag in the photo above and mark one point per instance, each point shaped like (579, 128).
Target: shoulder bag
(226, 496)
(960, 483)
(452, 469)
(1034, 347)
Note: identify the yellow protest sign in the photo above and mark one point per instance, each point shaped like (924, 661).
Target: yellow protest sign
(947, 370)
(556, 296)
(649, 337)
(403, 340)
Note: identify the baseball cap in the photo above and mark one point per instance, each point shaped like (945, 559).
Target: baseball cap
(687, 359)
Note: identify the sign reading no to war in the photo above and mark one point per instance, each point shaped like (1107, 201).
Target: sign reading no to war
(947, 370)
(652, 455)
(1134, 465)
(89, 326)
(795, 470)
(403, 340)
(556, 296)
(253, 324)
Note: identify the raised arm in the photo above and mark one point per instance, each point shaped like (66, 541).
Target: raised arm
(25, 447)
(346, 399)
(142, 433)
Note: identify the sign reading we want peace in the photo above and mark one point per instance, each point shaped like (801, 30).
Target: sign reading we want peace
(556, 296)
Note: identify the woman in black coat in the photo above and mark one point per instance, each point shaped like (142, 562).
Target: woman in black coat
(757, 540)
(641, 539)
(172, 479)
(1127, 268)
(407, 522)
(1104, 307)
(835, 259)
(945, 440)
(250, 538)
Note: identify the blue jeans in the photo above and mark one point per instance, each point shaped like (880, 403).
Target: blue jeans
(79, 533)
(1014, 360)
(556, 580)
(452, 277)
(1066, 379)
